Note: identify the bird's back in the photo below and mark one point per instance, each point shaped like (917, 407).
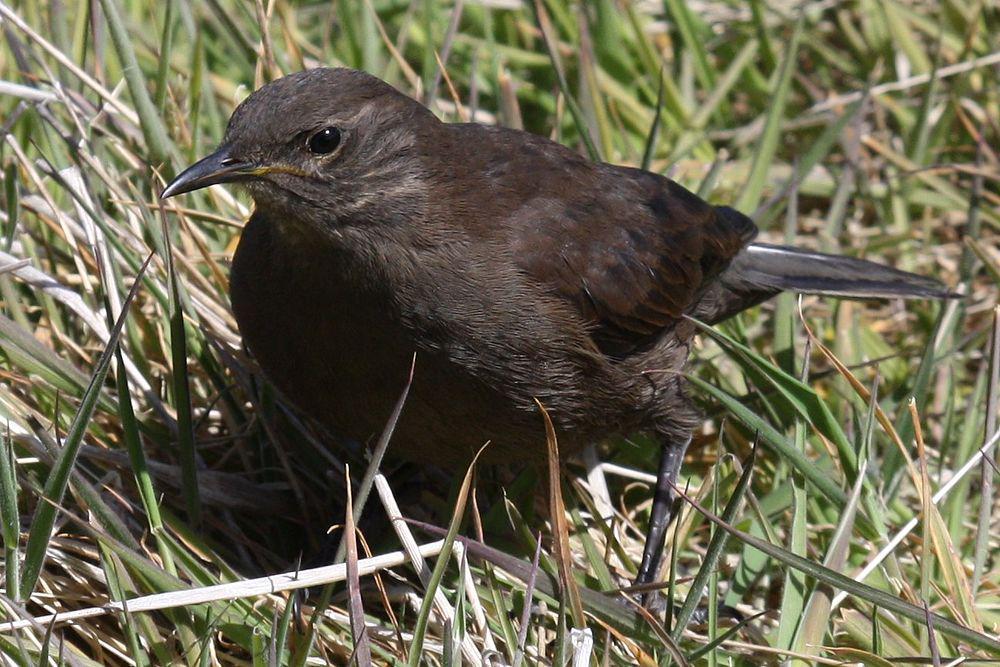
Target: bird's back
(631, 251)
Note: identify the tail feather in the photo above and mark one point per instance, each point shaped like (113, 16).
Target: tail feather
(765, 267)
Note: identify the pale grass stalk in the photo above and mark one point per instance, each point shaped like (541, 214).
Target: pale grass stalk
(67, 62)
(74, 182)
(86, 281)
(49, 285)
(287, 581)
(628, 473)
(478, 615)
(36, 179)
(598, 484)
(449, 108)
(753, 129)
(27, 93)
(41, 206)
(986, 479)
(581, 640)
(751, 649)
(908, 527)
(9, 268)
(376, 631)
(905, 83)
(816, 612)
(469, 649)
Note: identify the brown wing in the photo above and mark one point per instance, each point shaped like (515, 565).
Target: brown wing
(634, 253)
(630, 250)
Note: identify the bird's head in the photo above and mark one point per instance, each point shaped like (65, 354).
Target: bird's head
(324, 145)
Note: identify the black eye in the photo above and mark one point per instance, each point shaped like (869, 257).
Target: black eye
(325, 141)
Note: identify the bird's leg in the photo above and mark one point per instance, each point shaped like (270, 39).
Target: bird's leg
(664, 497)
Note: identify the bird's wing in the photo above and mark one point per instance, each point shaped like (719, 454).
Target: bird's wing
(633, 254)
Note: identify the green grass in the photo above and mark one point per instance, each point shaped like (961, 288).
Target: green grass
(152, 458)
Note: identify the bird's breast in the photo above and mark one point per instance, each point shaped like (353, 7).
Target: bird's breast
(337, 337)
(329, 343)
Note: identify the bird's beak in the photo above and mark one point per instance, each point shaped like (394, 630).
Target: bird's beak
(219, 167)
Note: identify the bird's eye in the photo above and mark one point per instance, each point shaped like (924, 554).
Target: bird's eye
(325, 141)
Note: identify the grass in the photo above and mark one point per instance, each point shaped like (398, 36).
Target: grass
(149, 478)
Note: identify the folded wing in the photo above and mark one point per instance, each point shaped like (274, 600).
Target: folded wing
(634, 257)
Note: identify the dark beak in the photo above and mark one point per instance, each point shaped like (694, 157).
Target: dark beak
(219, 167)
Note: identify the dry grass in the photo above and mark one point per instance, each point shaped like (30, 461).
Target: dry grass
(867, 128)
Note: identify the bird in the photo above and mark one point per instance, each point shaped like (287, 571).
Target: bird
(518, 272)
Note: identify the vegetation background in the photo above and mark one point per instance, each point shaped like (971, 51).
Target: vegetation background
(141, 454)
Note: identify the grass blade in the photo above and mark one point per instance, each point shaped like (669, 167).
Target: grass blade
(55, 486)
(362, 644)
(529, 592)
(182, 391)
(856, 588)
(768, 144)
(10, 519)
(775, 440)
(420, 628)
(166, 46)
(800, 396)
(153, 129)
(551, 44)
(714, 551)
(817, 608)
(989, 465)
(654, 130)
(560, 527)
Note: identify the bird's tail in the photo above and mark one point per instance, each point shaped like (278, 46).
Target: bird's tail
(761, 267)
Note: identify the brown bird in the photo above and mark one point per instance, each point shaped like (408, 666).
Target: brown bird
(513, 267)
